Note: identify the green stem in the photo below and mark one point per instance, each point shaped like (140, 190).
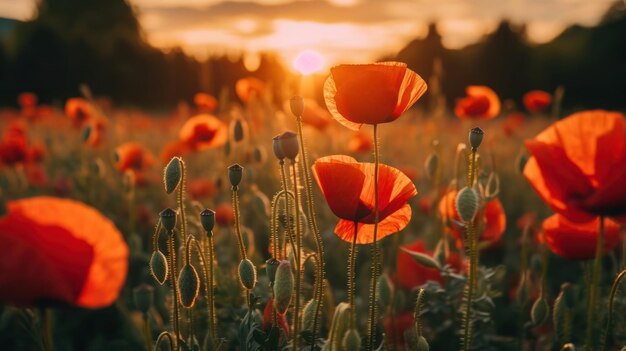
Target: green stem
(211, 286)
(160, 339)
(614, 288)
(173, 274)
(298, 255)
(181, 201)
(146, 332)
(374, 268)
(290, 233)
(319, 247)
(48, 335)
(242, 248)
(471, 234)
(593, 288)
(207, 270)
(351, 277)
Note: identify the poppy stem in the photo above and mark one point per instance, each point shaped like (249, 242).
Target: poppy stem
(298, 255)
(374, 268)
(593, 288)
(146, 332)
(181, 201)
(207, 270)
(211, 285)
(240, 243)
(471, 235)
(283, 174)
(319, 247)
(351, 277)
(172, 257)
(48, 335)
(614, 288)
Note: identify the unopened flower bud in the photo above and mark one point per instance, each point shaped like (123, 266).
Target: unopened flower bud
(188, 285)
(476, 137)
(258, 154)
(247, 274)
(383, 286)
(278, 151)
(431, 165)
(207, 219)
(238, 130)
(351, 340)
(422, 344)
(172, 175)
(540, 311)
(283, 286)
(168, 219)
(308, 314)
(271, 266)
(288, 144)
(158, 267)
(467, 204)
(297, 105)
(235, 172)
(143, 296)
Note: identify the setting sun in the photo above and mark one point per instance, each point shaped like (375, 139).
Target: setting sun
(309, 62)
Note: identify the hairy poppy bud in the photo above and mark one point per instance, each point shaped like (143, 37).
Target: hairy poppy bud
(168, 219)
(143, 296)
(235, 172)
(383, 287)
(278, 151)
(422, 344)
(467, 204)
(540, 311)
(238, 130)
(247, 274)
(308, 314)
(297, 105)
(288, 143)
(351, 340)
(158, 267)
(431, 165)
(283, 287)
(568, 294)
(188, 285)
(207, 219)
(172, 174)
(271, 266)
(476, 137)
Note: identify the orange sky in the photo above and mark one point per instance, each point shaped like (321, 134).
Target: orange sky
(336, 30)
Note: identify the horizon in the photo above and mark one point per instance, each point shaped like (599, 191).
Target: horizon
(316, 32)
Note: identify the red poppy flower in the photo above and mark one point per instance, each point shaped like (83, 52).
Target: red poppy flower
(132, 156)
(78, 110)
(224, 215)
(59, 250)
(249, 88)
(203, 132)
(577, 241)
(494, 218)
(537, 100)
(348, 187)
(268, 318)
(578, 165)
(480, 103)
(360, 143)
(96, 132)
(200, 189)
(26, 100)
(372, 93)
(205, 102)
(512, 123)
(172, 149)
(13, 150)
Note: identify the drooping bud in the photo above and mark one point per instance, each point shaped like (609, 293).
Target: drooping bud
(189, 285)
(247, 274)
(540, 311)
(271, 266)
(207, 219)
(283, 286)
(143, 296)
(467, 204)
(384, 292)
(158, 267)
(431, 165)
(308, 314)
(235, 172)
(288, 144)
(351, 340)
(296, 103)
(172, 175)
(168, 219)
(476, 137)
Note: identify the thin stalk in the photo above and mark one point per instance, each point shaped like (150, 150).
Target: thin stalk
(374, 269)
(319, 247)
(471, 233)
(181, 201)
(207, 270)
(174, 284)
(607, 330)
(48, 335)
(146, 332)
(283, 177)
(298, 255)
(593, 288)
(351, 278)
(235, 199)
(160, 339)
(211, 286)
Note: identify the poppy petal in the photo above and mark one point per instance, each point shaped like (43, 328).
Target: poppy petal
(365, 232)
(340, 180)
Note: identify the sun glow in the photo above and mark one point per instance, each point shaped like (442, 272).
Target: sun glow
(308, 62)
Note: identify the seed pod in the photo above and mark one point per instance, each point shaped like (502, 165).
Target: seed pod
(207, 219)
(422, 344)
(271, 266)
(568, 294)
(288, 144)
(238, 130)
(278, 151)
(383, 287)
(339, 326)
(247, 274)
(431, 165)
(258, 154)
(158, 267)
(540, 311)
(172, 174)
(476, 137)
(188, 285)
(283, 286)
(351, 340)
(308, 314)
(296, 103)
(467, 204)
(143, 296)
(235, 172)
(168, 219)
